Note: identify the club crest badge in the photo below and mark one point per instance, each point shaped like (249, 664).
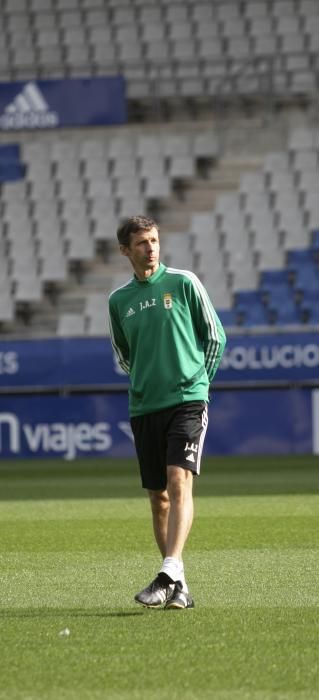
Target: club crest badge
(168, 301)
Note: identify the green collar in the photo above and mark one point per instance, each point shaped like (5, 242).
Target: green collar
(153, 278)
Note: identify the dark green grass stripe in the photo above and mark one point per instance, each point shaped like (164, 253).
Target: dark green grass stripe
(104, 478)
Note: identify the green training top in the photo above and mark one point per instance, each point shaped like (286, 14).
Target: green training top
(167, 336)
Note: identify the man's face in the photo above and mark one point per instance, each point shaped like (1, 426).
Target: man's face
(143, 251)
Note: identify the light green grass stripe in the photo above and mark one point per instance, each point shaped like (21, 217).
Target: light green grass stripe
(214, 507)
(260, 506)
(229, 578)
(160, 694)
(114, 534)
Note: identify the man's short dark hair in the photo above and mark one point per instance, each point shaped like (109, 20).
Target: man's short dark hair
(134, 224)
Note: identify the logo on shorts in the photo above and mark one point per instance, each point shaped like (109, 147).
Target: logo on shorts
(193, 447)
(168, 301)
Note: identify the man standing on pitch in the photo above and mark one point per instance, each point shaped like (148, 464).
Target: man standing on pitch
(167, 336)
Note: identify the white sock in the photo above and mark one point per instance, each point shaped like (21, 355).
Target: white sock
(172, 568)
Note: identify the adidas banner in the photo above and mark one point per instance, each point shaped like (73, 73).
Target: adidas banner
(50, 104)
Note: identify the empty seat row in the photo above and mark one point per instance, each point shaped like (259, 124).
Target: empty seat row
(204, 144)
(78, 39)
(73, 28)
(218, 77)
(126, 12)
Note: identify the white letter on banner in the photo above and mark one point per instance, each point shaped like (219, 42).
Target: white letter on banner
(287, 356)
(254, 362)
(103, 439)
(269, 357)
(11, 362)
(58, 438)
(34, 436)
(83, 436)
(239, 357)
(13, 423)
(71, 441)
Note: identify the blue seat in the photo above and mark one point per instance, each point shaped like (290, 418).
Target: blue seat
(304, 268)
(250, 308)
(228, 317)
(307, 278)
(310, 305)
(9, 172)
(313, 315)
(315, 240)
(286, 312)
(11, 167)
(276, 288)
(271, 279)
(279, 296)
(10, 153)
(299, 257)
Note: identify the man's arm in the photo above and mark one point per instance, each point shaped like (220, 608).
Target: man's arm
(118, 340)
(208, 325)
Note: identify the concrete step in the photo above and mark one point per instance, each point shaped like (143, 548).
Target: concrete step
(100, 277)
(201, 197)
(198, 196)
(201, 194)
(41, 321)
(72, 304)
(229, 171)
(175, 220)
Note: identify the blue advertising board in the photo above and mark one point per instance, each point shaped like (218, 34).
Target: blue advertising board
(47, 104)
(272, 357)
(240, 422)
(89, 361)
(59, 362)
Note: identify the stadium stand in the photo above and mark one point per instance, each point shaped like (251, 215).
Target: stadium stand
(177, 49)
(253, 241)
(74, 194)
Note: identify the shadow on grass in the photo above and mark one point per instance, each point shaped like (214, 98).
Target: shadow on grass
(7, 614)
(119, 478)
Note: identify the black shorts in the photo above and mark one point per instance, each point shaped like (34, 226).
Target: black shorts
(173, 436)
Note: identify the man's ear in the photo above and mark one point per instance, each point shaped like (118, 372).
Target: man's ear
(124, 250)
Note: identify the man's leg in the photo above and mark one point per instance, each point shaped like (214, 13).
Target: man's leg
(184, 430)
(180, 492)
(160, 506)
(172, 512)
(172, 520)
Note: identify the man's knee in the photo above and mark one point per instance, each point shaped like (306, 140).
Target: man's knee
(159, 501)
(179, 482)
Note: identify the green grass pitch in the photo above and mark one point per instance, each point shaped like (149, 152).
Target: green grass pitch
(76, 544)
